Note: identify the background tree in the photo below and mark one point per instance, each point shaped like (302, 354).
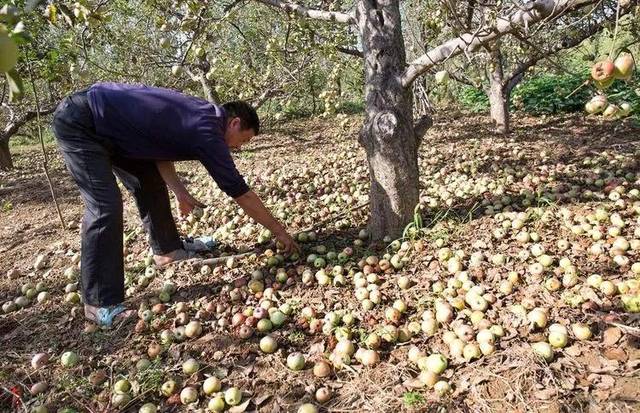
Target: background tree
(263, 51)
(389, 135)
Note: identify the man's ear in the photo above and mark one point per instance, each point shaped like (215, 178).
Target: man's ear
(235, 123)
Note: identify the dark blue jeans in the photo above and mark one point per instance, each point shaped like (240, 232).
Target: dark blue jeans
(92, 162)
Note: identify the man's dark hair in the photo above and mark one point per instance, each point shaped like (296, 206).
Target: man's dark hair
(247, 114)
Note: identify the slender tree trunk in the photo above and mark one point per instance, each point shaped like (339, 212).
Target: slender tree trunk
(6, 162)
(498, 93)
(387, 134)
(499, 102)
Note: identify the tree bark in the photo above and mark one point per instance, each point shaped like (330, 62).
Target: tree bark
(6, 162)
(498, 93)
(387, 134)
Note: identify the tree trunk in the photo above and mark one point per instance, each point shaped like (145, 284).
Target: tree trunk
(6, 161)
(387, 134)
(498, 93)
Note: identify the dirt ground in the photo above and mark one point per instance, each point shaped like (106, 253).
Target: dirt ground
(597, 375)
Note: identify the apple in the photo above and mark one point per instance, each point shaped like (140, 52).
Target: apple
(211, 385)
(216, 404)
(69, 359)
(177, 70)
(233, 396)
(603, 71)
(268, 344)
(624, 66)
(189, 395)
(442, 77)
(295, 361)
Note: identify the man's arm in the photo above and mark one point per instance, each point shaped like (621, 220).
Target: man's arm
(253, 206)
(186, 202)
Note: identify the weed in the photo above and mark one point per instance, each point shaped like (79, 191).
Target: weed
(246, 154)
(413, 399)
(151, 377)
(296, 337)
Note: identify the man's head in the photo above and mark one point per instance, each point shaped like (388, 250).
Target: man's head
(242, 123)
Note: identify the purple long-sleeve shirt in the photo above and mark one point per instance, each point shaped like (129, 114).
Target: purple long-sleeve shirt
(160, 124)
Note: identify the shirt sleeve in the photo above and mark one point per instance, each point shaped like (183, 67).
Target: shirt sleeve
(216, 158)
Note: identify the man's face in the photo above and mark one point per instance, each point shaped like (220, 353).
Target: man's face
(235, 136)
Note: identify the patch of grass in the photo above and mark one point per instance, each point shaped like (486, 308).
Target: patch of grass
(30, 140)
(246, 154)
(352, 107)
(152, 377)
(6, 206)
(413, 399)
(296, 337)
(435, 234)
(80, 385)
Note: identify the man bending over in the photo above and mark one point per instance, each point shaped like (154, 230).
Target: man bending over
(136, 132)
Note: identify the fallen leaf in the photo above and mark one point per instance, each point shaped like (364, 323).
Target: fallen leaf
(568, 383)
(545, 394)
(174, 352)
(609, 365)
(600, 394)
(240, 408)
(601, 381)
(633, 364)
(248, 369)
(589, 294)
(206, 338)
(606, 382)
(615, 353)
(413, 384)
(174, 399)
(611, 336)
(262, 398)
(316, 348)
(219, 371)
(573, 351)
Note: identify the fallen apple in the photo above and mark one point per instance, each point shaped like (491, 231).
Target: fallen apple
(233, 396)
(295, 361)
(211, 385)
(189, 395)
(268, 344)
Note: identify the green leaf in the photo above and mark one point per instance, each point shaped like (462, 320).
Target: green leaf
(51, 13)
(16, 87)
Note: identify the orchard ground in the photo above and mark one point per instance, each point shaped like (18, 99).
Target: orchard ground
(461, 161)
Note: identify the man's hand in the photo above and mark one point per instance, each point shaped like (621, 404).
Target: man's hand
(186, 204)
(254, 207)
(287, 242)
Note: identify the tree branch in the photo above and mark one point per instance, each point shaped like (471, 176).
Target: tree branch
(275, 90)
(352, 52)
(471, 4)
(13, 127)
(518, 73)
(311, 13)
(207, 88)
(533, 13)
